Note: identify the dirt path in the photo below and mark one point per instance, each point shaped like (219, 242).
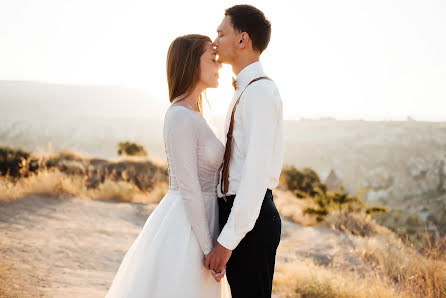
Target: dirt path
(73, 247)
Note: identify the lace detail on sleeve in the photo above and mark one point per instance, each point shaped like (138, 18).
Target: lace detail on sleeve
(183, 145)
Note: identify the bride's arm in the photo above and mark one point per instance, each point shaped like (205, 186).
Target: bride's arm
(183, 141)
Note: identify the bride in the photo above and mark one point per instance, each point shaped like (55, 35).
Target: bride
(166, 259)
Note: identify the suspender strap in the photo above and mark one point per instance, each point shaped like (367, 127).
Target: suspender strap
(224, 185)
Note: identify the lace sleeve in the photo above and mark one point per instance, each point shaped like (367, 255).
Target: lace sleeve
(183, 141)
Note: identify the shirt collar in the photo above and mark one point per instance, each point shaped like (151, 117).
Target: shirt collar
(249, 73)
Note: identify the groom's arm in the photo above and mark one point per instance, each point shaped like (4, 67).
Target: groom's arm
(261, 112)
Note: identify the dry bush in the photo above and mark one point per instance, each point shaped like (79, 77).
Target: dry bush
(143, 172)
(131, 179)
(54, 183)
(139, 171)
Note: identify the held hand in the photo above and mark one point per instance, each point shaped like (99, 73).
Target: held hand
(218, 276)
(216, 260)
(207, 260)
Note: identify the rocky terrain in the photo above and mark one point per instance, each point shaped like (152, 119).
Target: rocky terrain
(395, 159)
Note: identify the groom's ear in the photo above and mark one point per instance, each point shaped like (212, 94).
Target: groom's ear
(243, 40)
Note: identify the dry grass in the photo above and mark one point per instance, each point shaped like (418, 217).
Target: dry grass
(355, 223)
(395, 269)
(423, 275)
(68, 173)
(306, 279)
(54, 183)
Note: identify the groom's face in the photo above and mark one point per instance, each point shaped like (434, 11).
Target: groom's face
(226, 41)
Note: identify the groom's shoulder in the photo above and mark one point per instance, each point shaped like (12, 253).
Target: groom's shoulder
(265, 89)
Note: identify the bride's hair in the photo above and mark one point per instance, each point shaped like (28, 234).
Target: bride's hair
(183, 65)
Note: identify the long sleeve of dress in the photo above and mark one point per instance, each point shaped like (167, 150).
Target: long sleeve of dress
(183, 142)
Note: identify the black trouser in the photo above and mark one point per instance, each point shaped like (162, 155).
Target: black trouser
(250, 269)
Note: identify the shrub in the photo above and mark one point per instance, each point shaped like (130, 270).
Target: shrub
(131, 149)
(302, 182)
(15, 162)
(306, 183)
(333, 201)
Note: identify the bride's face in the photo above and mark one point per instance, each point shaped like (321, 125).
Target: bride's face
(209, 67)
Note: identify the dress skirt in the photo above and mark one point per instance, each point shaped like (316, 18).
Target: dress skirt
(165, 260)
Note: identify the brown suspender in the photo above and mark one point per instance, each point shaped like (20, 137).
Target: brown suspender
(224, 185)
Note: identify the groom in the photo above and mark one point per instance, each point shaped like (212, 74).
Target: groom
(249, 221)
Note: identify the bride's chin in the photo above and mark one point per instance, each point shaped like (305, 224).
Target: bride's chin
(214, 85)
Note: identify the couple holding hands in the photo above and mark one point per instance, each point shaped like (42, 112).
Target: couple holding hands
(216, 231)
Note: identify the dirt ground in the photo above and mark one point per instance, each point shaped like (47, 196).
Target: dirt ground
(73, 247)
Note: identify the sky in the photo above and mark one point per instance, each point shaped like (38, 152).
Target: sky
(372, 60)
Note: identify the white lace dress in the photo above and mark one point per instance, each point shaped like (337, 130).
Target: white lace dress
(166, 259)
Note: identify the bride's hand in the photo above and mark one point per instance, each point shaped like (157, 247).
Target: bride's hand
(218, 275)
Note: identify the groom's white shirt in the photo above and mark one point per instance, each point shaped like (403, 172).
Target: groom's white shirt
(257, 151)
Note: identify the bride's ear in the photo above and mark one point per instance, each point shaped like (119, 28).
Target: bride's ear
(243, 40)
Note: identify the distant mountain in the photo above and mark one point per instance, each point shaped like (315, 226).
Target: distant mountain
(21, 100)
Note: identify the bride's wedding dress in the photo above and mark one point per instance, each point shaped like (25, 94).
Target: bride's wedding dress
(166, 259)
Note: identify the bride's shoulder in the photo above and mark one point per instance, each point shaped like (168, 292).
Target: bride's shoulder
(180, 116)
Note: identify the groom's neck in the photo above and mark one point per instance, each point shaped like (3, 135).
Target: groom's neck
(244, 61)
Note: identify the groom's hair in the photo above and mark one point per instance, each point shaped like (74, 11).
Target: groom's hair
(247, 18)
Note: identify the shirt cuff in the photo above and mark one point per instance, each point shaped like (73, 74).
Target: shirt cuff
(227, 240)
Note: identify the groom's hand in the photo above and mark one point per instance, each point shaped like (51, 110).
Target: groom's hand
(216, 260)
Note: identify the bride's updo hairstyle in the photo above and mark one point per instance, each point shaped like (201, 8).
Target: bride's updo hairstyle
(183, 65)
